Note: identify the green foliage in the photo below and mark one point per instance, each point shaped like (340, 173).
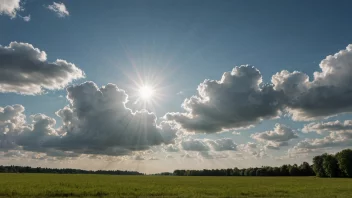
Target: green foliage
(318, 166)
(88, 185)
(344, 159)
(330, 165)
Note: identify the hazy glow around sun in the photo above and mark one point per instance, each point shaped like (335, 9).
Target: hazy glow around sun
(146, 92)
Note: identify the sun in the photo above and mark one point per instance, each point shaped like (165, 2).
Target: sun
(146, 92)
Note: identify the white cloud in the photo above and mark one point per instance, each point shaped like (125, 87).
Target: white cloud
(335, 139)
(59, 8)
(96, 122)
(281, 133)
(25, 70)
(334, 126)
(329, 93)
(10, 7)
(26, 18)
(238, 100)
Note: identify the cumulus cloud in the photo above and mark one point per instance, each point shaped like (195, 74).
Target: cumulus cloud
(10, 7)
(281, 133)
(170, 148)
(335, 139)
(59, 8)
(340, 135)
(194, 145)
(329, 92)
(25, 70)
(96, 122)
(238, 100)
(12, 120)
(335, 126)
(224, 144)
(275, 145)
(200, 145)
(241, 99)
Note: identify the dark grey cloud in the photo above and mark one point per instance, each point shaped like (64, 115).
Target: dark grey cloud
(329, 93)
(238, 100)
(281, 133)
(26, 70)
(334, 126)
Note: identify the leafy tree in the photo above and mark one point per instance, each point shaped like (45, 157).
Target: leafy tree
(330, 165)
(344, 159)
(318, 166)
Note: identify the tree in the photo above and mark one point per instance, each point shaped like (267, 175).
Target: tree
(344, 160)
(306, 169)
(330, 165)
(284, 170)
(294, 171)
(318, 166)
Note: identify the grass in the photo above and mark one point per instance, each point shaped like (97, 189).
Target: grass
(54, 185)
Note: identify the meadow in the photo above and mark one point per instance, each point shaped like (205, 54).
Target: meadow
(59, 185)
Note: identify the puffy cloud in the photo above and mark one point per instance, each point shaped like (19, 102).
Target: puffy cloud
(335, 126)
(251, 145)
(138, 157)
(275, 145)
(340, 136)
(335, 139)
(12, 120)
(238, 100)
(10, 7)
(96, 122)
(224, 144)
(170, 148)
(281, 133)
(59, 8)
(329, 92)
(194, 145)
(25, 70)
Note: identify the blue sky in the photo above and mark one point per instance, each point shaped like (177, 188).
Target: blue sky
(175, 46)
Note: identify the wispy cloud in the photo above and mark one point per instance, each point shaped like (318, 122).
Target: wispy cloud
(59, 8)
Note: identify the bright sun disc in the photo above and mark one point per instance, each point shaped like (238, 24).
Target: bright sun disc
(146, 92)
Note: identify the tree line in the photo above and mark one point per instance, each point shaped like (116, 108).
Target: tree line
(27, 169)
(325, 165)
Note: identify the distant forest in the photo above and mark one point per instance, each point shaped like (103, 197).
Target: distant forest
(27, 169)
(325, 165)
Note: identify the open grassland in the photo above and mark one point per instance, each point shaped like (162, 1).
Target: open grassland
(55, 185)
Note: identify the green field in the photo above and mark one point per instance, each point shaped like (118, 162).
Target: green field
(55, 185)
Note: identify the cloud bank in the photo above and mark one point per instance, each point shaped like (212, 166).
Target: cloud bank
(96, 122)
